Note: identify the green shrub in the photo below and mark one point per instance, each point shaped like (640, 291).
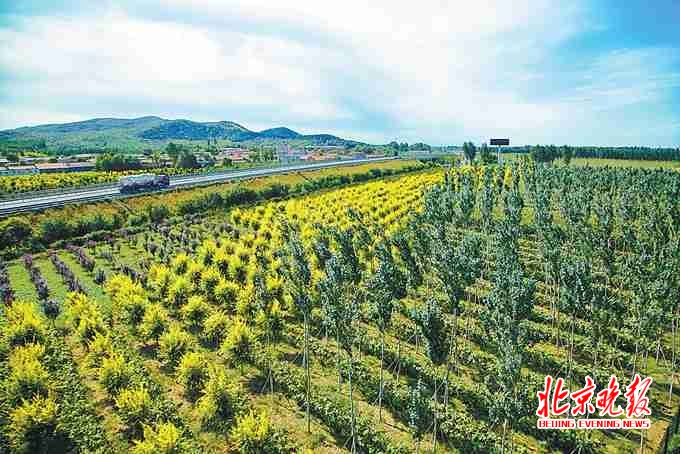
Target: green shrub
(179, 291)
(239, 196)
(114, 373)
(674, 444)
(215, 328)
(28, 378)
(135, 409)
(89, 326)
(172, 345)
(135, 220)
(195, 204)
(210, 278)
(159, 279)
(206, 252)
(157, 213)
(24, 325)
(221, 401)
(166, 438)
(154, 323)
(192, 373)
(195, 310)
(55, 229)
(238, 345)
(95, 223)
(275, 190)
(180, 262)
(225, 294)
(254, 434)
(14, 231)
(99, 347)
(33, 428)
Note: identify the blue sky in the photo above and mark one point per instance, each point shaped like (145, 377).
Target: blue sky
(599, 72)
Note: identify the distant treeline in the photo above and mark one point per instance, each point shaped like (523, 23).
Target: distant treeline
(12, 149)
(642, 153)
(118, 162)
(646, 153)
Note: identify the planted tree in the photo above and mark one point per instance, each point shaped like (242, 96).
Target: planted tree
(455, 269)
(239, 344)
(298, 275)
(154, 322)
(509, 304)
(163, 438)
(33, 427)
(419, 413)
(192, 373)
(221, 401)
(135, 408)
(340, 291)
(114, 373)
(469, 150)
(430, 320)
(269, 320)
(576, 296)
(254, 433)
(386, 285)
(172, 345)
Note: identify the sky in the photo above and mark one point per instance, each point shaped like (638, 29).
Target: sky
(600, 72)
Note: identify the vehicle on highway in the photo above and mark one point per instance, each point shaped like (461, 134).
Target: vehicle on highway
(143, 182)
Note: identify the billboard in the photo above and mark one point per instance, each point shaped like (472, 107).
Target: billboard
(499, 142)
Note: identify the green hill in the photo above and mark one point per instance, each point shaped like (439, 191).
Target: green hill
(138, 134)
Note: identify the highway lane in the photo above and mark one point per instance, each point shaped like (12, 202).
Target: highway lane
(109, 192)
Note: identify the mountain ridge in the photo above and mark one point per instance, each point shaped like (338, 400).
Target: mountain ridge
(135, 134)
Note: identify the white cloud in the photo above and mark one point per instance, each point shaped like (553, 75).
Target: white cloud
(437, 71)
(118, 56)
(627, 76)
(12, 117)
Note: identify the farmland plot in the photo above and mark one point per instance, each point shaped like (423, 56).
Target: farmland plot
(420, 312)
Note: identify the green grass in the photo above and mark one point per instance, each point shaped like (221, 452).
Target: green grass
(58, 290)
(21, 281)
(86, 279)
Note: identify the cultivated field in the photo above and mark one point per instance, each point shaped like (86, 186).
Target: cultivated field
(411, 312)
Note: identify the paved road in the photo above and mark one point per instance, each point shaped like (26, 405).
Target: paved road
(31, 203)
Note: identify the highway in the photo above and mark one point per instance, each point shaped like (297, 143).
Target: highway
(39, 202)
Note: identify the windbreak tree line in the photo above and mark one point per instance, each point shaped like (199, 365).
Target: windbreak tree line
(549, 153)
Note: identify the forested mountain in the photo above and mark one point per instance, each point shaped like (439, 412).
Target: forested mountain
(136, 134)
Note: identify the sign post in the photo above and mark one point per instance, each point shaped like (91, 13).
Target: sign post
(499, 143)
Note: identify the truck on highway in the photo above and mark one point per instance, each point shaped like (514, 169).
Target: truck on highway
(143, 182)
